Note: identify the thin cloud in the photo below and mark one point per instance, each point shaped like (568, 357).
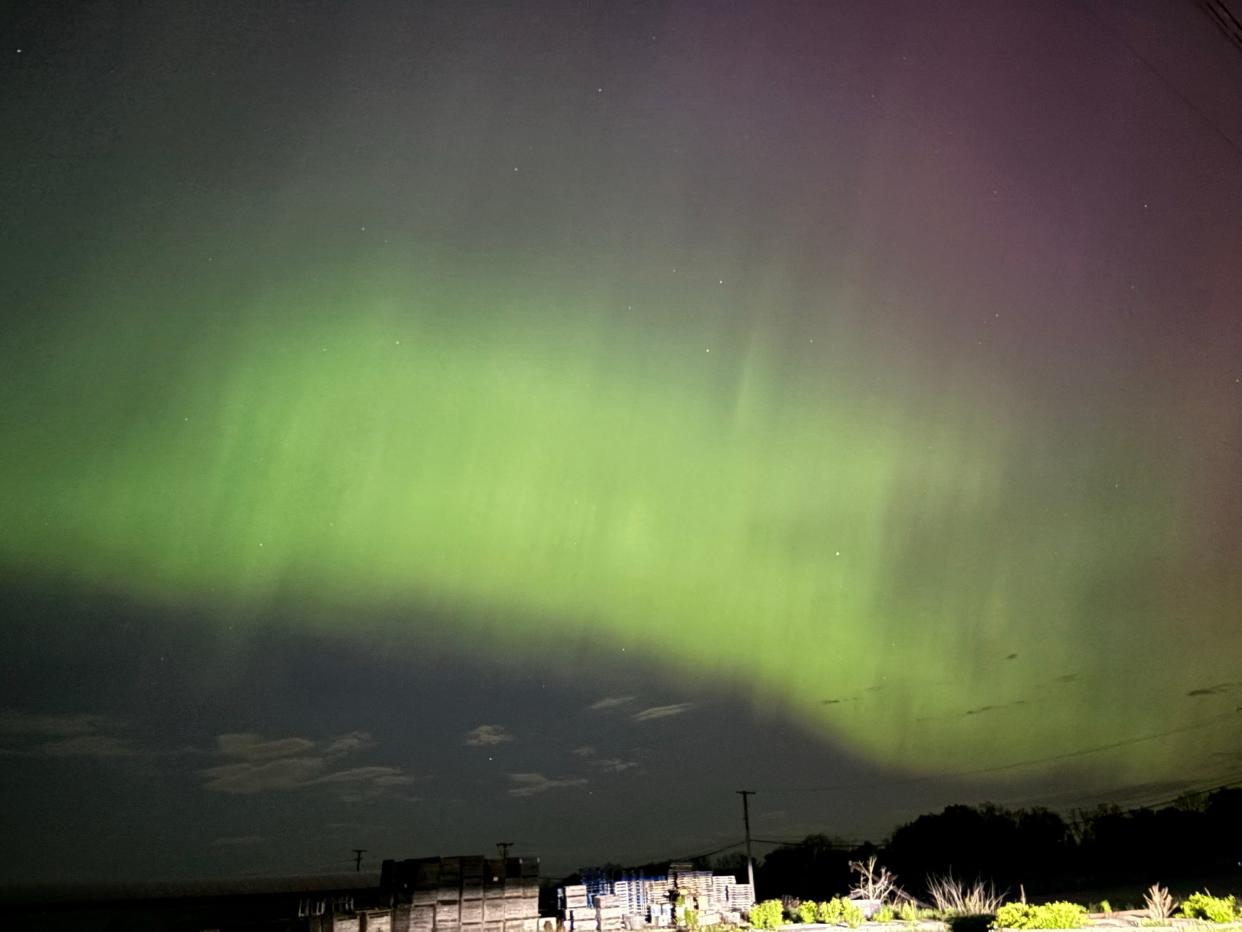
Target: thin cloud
(613, 764)
(533, 784)
(486, 736)
(88, 746)
(660, 711)
(609, 702)
(258, 765)
(289, 773)
(42, 735)
(584, 751)
(252, 747)
(36, 724)
(385, 776)
(350, 742)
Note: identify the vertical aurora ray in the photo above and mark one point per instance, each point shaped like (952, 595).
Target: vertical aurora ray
(763, 515)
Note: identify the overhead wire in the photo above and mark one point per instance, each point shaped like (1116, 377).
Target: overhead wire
(1014, 765)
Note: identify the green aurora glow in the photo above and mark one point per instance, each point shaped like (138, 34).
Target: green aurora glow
(863, 552)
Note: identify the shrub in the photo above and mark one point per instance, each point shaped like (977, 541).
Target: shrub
(807, 910)
(1159, 904)
(767, 915)
(874, 882)
(1059, 915)
(852, 914)
(829, 910)
(952, 898)
(884, 914)
(1211, 908)
(908, 912)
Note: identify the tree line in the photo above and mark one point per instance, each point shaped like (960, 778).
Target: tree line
(1035, 850)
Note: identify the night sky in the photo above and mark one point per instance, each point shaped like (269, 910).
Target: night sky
(427, 425)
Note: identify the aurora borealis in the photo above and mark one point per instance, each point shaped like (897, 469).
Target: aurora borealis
(883, 381)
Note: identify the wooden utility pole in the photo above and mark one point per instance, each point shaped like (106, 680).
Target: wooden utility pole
(750, 861)
(358, 853)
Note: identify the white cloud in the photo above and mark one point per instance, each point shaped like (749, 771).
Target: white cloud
(350, 742)
(609, 702)
(289, 773)
(88, 746)
(532, 784)
(660, 711)
(584, 751)
(365, 782)
(36, 734)
(486, 736)
(613, 764)
(259, 765)
(252, 747)
(391, 776)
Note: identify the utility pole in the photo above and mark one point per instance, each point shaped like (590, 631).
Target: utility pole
(750, 861)
(358, 853)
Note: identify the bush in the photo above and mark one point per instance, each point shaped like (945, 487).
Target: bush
(767, 915)
(1060, 915)
(952, 897)
(1211, 908)
(837, 911)
(1159, 904)
(852, 914)
(884, 914)
(829, 911)
(909, 912)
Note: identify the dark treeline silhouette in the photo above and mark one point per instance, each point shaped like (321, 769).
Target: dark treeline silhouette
(1035, 849)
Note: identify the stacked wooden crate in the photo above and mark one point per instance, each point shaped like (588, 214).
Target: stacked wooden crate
(577, 914)
(633, 901)
(424, 888)
(463, 894)
(608, 912)
(741, 896)
(658, 907)
(521, 900)
(473, 868)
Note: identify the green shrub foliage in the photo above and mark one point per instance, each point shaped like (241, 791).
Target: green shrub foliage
(767, 915)
(852, 914)
(1060, 915)
(1212, 908)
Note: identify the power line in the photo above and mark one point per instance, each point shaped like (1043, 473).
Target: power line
(1015, 765)
(846, 844)
(850, 844)
(1117, 35)
(1220, 13)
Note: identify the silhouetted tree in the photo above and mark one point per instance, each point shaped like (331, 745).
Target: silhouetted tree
(816, 868)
